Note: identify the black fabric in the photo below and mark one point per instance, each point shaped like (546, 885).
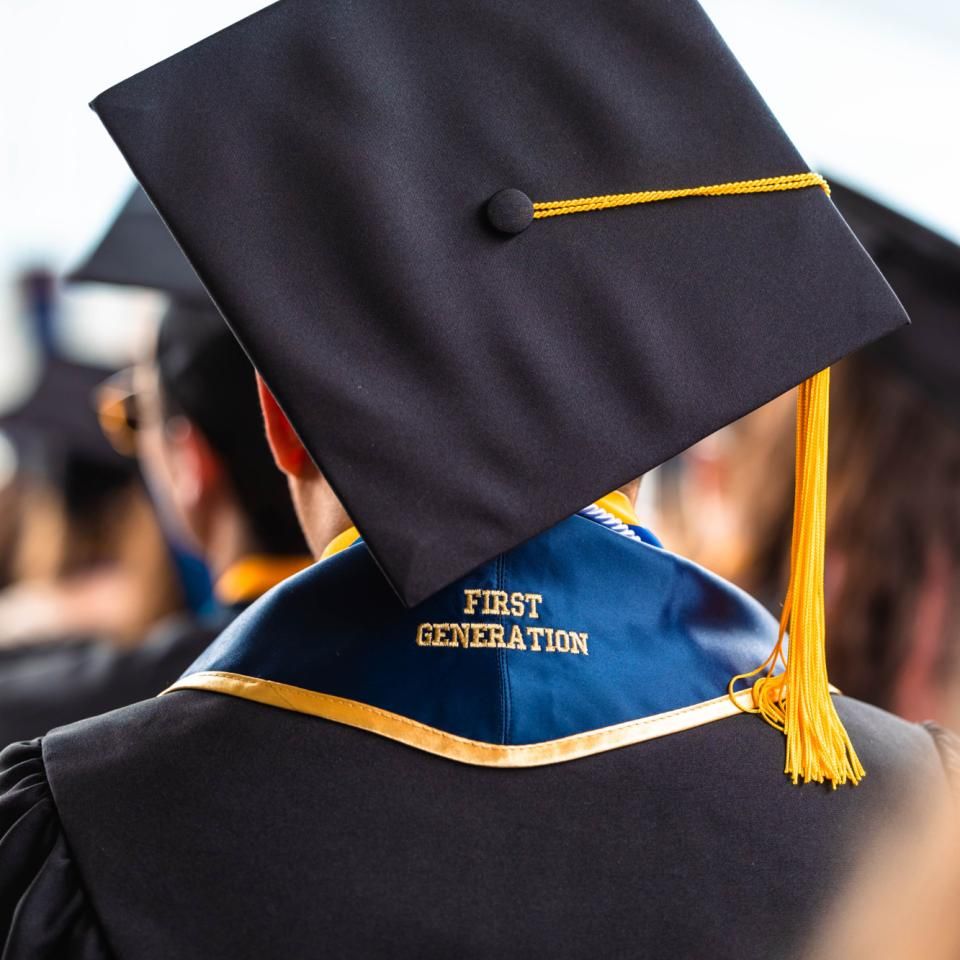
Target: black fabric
(210, 827)
(44, 910)
(49, 686)
(326, 168)
(923, 268)
(137, 250)
(205, 376)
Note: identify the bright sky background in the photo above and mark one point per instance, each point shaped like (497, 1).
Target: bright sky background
(868, 89)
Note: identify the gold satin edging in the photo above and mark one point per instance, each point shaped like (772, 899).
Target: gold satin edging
(431, 740)
(619, 505)
(340, 542)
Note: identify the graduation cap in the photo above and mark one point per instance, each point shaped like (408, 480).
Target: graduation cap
(497, 259)
(55, 427)
(137, 250)
(923, 267)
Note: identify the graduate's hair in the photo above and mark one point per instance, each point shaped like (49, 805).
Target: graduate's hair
(206, 377)
(893, 528)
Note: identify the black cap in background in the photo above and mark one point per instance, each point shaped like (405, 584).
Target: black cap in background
(923, 267)
(137, 250)
(60, 414)
(466, 375)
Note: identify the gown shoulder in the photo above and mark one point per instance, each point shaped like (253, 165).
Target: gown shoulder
(44, 910)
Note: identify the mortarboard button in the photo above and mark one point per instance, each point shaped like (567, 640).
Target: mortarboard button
(510, 211)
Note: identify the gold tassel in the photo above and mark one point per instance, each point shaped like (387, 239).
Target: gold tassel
(797, 701)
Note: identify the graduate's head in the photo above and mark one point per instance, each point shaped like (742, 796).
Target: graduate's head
(201, 439)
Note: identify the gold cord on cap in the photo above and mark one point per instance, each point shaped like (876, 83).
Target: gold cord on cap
(791, 181)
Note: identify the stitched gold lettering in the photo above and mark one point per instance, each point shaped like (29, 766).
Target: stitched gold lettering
(494, 635)
(533, 599)
(478, 631)
(471, 597)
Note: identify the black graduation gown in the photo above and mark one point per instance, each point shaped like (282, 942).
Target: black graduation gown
(249, 824)
(197, 825)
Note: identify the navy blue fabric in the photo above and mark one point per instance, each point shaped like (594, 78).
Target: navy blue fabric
(647, 536)
(663, 634)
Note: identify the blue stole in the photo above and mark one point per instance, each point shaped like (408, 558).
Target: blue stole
(579, 640)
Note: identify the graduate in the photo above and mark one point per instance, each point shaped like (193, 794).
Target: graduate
(492, 261)
(190, 414)
(87, 556)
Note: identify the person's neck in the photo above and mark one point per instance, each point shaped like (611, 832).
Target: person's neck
(322, 516)
(631, 490)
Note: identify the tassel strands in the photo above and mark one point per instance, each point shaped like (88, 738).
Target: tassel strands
(797, 701)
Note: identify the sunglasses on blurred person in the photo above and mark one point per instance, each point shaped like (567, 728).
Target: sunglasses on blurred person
(118, 411)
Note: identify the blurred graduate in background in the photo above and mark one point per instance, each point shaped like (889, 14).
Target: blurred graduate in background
(893, 560)
(83, 554)
(190, 415)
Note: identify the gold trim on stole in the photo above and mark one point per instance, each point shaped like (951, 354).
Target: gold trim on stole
(394, 726)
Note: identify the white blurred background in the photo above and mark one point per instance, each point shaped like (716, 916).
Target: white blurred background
(866, 88)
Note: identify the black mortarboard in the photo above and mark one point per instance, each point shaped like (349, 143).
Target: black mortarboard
(60, 415)
(923, 268)
(327, 168)
(137, 250)
(58, 440)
